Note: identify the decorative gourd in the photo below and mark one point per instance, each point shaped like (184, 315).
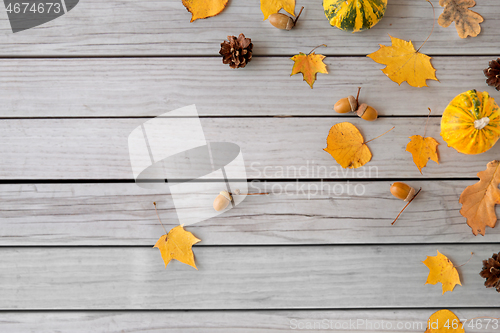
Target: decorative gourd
(354, 15)
(471, 122)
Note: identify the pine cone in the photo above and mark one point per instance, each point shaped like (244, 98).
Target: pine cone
(237, 52)
(493, 74)
(491, 272)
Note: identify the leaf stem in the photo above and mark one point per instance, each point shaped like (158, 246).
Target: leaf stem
(402, 210)
(154, 203)
(316, 48)
(427, 121)
(471, 254)
(433, 24)
(381, 134)
(297, 18)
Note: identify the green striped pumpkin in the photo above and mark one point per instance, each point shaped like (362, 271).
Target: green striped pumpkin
(471, 122)
(354, 15)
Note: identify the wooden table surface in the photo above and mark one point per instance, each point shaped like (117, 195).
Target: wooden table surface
(76, 232)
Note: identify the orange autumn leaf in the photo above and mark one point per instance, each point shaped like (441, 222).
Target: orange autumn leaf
(269, 7)
(404, 63)
(422, 149)
(347, 146)
(201, 9)
(442, 270)
(479, 200)
(308, 65)
(444, 321)
(466, 21)
(177, 244)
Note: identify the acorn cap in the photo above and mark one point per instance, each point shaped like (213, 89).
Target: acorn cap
(352, 102)
(411, 194)
(226, 195)
(362, 108)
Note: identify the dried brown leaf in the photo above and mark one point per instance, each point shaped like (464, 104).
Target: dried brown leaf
(466, 21)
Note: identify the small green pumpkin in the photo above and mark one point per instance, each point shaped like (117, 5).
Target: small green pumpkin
(354, 15)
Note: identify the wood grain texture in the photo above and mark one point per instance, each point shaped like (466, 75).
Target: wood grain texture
(273, 148)
(110, 66)
(295, 213)
(127, 27)
(269, 321)
(270, 277)
(115, 87)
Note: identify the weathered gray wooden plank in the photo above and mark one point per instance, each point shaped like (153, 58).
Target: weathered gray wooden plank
(295, 213)
(230, 277)
(273, 148)
(126, 27)
(149, 87)
(271, 321)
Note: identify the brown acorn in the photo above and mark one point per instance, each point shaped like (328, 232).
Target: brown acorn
(366, 112)
(402, 191)
(351, 104)
(282, 21)
(347, 104)
(222, 201)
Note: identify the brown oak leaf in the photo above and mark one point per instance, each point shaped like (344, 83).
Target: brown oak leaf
(466, 21)
(479, 200)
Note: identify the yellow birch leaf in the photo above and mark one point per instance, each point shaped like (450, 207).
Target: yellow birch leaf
(422, 149)
(444, 321)
(347, 146)
(201, 9)
(442, 270)
(479, 200)
(269, 7)
(177, 244)
(404, 63)
(466, 21)
(308, 65)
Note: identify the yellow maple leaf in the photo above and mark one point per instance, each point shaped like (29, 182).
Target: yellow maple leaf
(466, 21)
(442, 270)
(479, 200)
(422, 149)
(444, 321)
(404, 63)
(177, 244)
(269, 7)
(347, 146)
(308, 65)
(201, 9)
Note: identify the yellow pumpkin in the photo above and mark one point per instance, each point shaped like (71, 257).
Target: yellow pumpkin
(471, 122)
